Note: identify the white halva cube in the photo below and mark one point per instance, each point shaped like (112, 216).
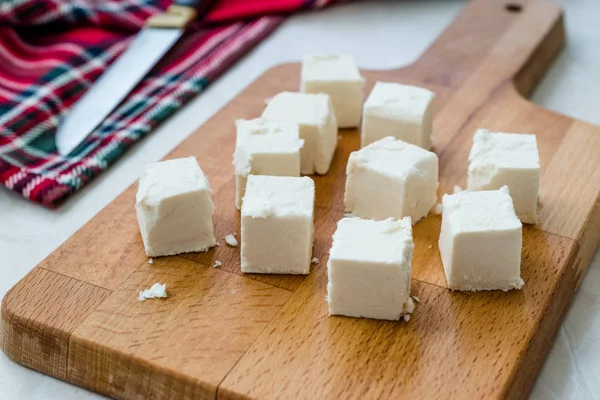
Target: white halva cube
(318, 126)
(174, 208)
(510, 159)
(391, 178)
(480, 241)
(265, 148)
(277, 225)
(369, 269)
(401, 111)
(337, 76)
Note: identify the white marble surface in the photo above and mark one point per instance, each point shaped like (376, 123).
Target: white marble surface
(381, 35)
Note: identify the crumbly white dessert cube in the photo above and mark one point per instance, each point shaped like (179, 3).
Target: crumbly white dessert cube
(337, 76)
(265, 148)
(369, 269)
(277, 225)
(174, 208)
(401, 111)
(480, 241)
(318, 126)
(391, 178)
(510, 159)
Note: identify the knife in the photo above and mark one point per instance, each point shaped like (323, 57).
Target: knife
(158, 35)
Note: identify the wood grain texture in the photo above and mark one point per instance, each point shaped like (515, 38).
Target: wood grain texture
(39, 314)
(105, 251)
(129, 349)
(223, 334)
(465, 345)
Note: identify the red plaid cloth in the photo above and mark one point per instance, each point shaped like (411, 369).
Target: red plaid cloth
(51, 51)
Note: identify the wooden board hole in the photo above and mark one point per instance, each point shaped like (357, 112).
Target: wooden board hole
(513, 8)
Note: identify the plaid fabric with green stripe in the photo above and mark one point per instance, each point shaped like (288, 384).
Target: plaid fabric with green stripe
(33, 100)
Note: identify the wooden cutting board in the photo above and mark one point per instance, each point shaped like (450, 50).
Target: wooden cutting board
(227, 335)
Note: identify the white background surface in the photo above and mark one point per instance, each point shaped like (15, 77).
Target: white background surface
(381, 35)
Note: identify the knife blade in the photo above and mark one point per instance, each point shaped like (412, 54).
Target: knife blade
(159, 34)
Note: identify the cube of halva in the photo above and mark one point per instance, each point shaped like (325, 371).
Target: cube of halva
(510, 159)
(369, 269)
(337, 76)
(401, 111)
(174, 208)
(265, 148)
(277, 225)
(480, 241)
(318, 126)
(391, 178)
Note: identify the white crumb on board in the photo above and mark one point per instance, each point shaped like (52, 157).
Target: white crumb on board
(150, 261)
(406, 317)
(457, 189)
(438, 209)
(314, 260)
(231, 240)
(217, 264)
(218, 244)
(156, 291)
(233, 291)
(415, 298)
(430, 246)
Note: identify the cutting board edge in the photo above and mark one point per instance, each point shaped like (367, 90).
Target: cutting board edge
(521, 384)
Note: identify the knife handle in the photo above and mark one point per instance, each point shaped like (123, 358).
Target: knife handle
(177, 16)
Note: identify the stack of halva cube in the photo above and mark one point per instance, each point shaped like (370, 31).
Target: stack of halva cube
(391, 184)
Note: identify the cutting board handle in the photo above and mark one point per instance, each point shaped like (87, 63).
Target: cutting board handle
(512, 40)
